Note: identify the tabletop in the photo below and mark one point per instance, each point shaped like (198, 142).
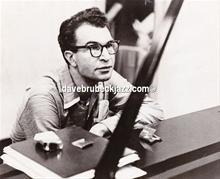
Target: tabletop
(189, 142)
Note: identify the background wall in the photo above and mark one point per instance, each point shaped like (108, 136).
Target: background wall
(29, 46)
(188, 76)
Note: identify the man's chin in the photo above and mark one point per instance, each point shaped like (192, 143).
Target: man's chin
(104, 78)
(96, 79)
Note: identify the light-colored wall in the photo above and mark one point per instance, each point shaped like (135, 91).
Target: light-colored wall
(29, 46)
(188, 77)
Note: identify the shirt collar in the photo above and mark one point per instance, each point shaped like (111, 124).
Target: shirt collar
(68, 88)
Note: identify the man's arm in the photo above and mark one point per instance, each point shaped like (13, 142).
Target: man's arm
(150, 112)
(40, 113)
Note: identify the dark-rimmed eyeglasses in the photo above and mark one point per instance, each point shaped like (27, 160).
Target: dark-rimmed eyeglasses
(96, 48)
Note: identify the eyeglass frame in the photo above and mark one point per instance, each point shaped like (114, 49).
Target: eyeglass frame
(75, 48)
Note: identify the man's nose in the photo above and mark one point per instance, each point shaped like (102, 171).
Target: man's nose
(105, 55)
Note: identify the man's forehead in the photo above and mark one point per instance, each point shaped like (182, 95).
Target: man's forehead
(86, 33)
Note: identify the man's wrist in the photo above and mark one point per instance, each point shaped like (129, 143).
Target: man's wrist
(99, 129)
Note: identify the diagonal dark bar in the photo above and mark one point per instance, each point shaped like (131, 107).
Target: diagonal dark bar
(119, 139)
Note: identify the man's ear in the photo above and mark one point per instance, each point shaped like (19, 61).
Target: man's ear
(70, 57)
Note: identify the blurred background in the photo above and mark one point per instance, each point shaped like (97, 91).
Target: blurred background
(187, 80)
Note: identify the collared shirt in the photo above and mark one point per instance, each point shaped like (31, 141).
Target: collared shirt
(53, 103)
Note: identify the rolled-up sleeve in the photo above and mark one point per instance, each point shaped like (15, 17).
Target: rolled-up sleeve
(150, 112)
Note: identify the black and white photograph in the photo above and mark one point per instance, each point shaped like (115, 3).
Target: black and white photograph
(110, 89)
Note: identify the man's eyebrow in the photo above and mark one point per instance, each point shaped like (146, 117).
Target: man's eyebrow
(92, 42)
(98, 42)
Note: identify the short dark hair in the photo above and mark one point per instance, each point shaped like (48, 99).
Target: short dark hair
(67, 36)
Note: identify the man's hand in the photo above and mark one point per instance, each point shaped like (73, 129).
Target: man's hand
(99, 129)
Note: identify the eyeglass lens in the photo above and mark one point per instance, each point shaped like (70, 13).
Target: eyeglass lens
(96, 48)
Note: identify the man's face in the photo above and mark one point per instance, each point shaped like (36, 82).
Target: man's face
(89, 67)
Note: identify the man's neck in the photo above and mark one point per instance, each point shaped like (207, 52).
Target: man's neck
(81, 81)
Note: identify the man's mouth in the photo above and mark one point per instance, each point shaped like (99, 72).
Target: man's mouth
(104, 68)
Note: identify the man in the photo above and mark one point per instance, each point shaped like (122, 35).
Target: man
(57, 100)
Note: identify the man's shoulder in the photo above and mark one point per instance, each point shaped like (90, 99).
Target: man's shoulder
(48, 83)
